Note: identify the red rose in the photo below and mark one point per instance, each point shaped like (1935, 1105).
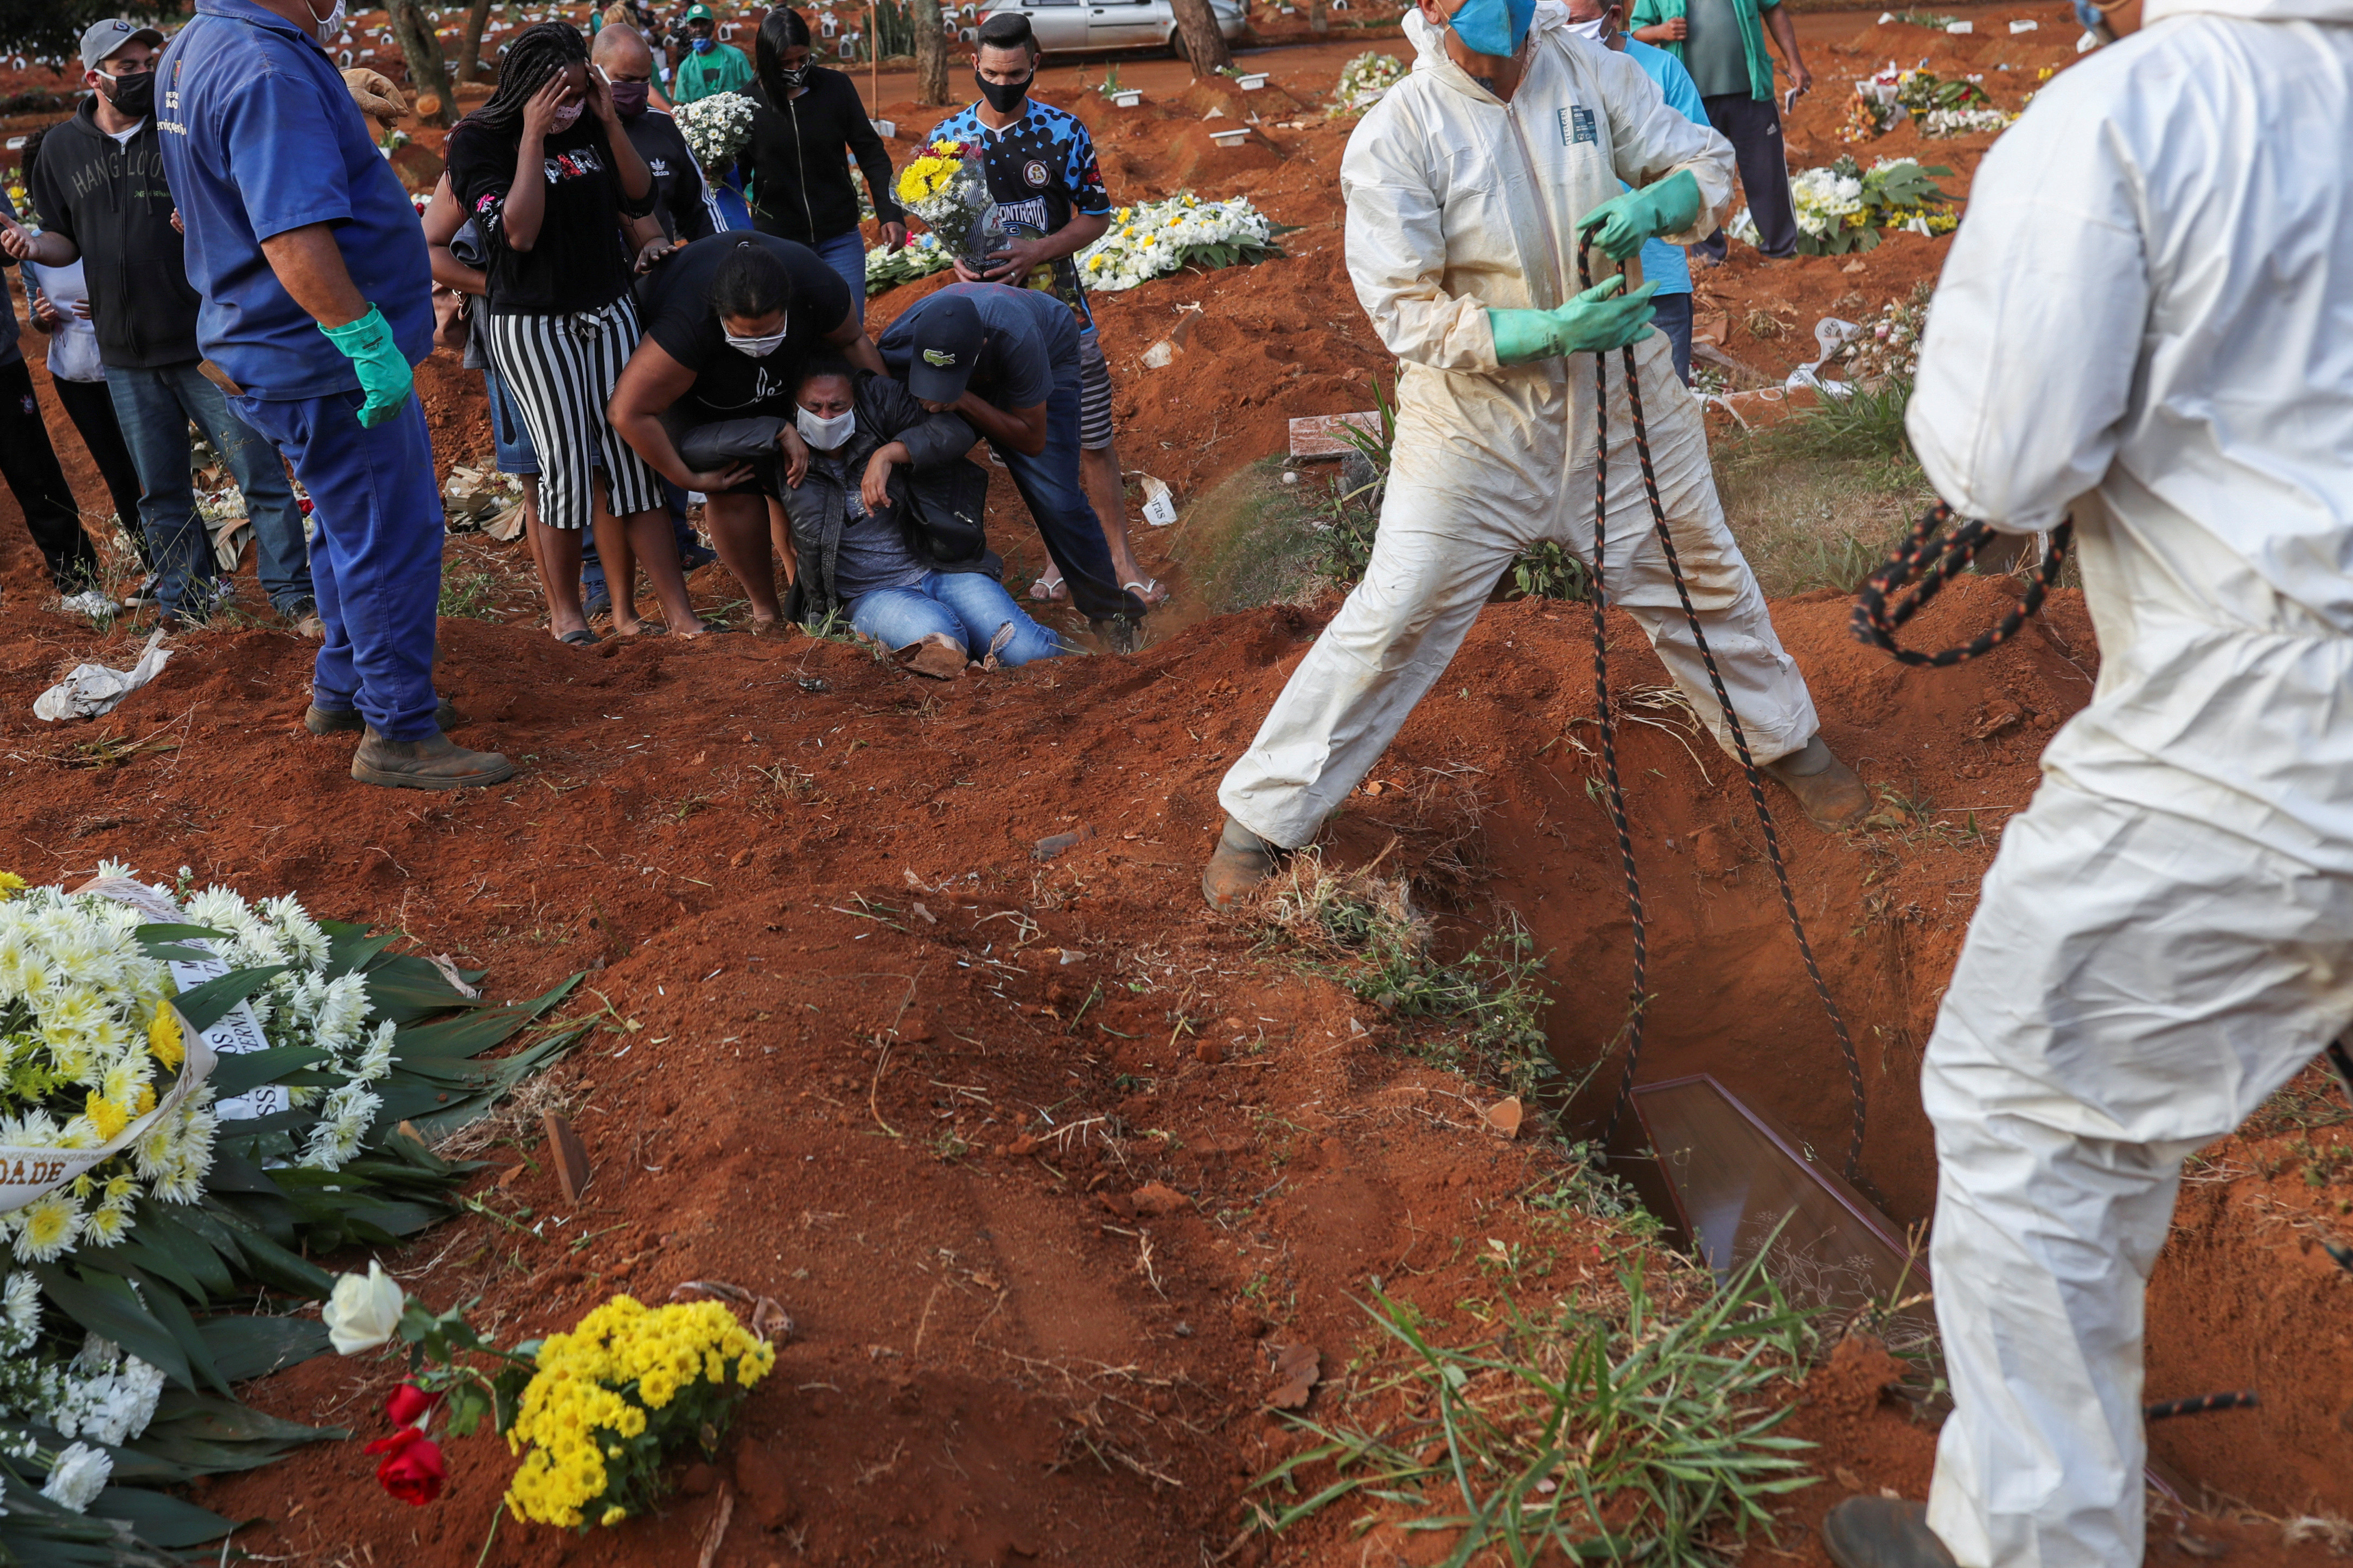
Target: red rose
(413, 1469)
(409, 1405)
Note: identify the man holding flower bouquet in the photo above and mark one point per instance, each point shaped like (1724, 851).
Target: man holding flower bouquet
(1050, 205)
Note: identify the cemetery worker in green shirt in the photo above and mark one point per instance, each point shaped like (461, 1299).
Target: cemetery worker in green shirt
(1722, 44)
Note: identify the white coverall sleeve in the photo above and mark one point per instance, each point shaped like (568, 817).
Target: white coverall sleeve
(1649, 142)
(2027, 366)
(1395, 236)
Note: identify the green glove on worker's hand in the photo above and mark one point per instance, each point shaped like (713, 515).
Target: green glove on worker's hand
(1621, 223)
(384, 374)
(1595, 322)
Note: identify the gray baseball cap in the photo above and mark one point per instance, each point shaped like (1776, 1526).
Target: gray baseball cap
(100, 39)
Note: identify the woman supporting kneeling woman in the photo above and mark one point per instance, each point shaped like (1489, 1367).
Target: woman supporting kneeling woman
(885, 513)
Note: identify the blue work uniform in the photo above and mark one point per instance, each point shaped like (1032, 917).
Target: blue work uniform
(261, 137)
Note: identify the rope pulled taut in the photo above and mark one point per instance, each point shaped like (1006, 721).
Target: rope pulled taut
(1732, 726)
(1923, 564)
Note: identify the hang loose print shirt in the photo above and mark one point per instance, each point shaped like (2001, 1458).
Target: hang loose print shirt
(1041, 173)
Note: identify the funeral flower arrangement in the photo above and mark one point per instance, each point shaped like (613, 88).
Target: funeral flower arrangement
(595, 1413)
(1943, 106)
(922, 256)
(1153, 239)
(945, 188)
(1843, 207)
(715, 128)
(1362, 82)
(196, 1091)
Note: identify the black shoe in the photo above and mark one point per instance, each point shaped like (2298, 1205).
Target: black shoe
(1883, 1532)
(1120, 634)
(695, 557)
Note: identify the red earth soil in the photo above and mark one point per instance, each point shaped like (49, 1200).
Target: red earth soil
(862, 1050)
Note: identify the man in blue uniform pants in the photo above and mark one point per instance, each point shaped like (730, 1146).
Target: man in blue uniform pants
(317, 300)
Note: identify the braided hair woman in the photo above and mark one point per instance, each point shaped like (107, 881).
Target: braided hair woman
(546, 170)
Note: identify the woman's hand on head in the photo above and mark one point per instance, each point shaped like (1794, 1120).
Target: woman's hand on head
(539, 112)
(600, 101)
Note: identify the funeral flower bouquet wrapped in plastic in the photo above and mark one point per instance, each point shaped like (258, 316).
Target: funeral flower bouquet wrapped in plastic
(715, 128)
(948, 190)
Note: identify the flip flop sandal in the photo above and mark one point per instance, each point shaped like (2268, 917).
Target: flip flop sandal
(648, 629)
(1047, 592)
(1149, 591)
(584, 637)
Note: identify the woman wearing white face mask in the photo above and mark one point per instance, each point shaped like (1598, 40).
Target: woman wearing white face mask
(729, 322)
(885, 514)
(546, 170)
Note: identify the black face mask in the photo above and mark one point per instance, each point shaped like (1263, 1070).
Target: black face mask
(133, 94)
(1003, 97)
(795, 76)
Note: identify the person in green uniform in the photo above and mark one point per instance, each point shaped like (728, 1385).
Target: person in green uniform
(1722, 44)
(710, 66)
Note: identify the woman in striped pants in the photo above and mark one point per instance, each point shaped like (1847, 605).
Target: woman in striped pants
(547, 172)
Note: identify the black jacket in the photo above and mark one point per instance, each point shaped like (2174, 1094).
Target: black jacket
(800, 182)
(682, 202)
(112, 202)
(938, 482)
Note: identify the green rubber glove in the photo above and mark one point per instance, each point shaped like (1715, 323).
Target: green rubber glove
(1626, 220)
(384, 376)
(1595, 322)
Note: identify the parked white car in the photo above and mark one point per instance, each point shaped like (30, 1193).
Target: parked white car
(1064, 26)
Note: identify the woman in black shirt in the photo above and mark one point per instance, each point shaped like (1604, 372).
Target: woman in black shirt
(803, 116)
(546, 170)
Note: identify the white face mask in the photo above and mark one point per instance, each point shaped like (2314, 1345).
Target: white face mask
(331, 25)
(826, 435)
(1597, 29)
(760, 347)
(568, 116)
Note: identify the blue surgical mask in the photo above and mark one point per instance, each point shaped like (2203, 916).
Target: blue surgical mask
(1496, 27)
(702, 45)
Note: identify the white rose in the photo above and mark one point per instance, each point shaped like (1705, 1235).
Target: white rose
(364, 1310)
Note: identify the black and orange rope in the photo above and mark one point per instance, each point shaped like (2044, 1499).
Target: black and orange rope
(1732, 726)
(1923, 564)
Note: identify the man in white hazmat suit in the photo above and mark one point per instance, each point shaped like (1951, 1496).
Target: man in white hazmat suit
(1467, 187)
(2147, 319)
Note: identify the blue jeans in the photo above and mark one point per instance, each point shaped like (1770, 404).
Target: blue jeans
(846, 254)
(378, 566)
(970, 606)
(1673, 318)
(1066, 520)
(153, 407)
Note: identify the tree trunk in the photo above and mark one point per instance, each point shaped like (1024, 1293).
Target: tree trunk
(931, 53)
(1197, 29)
(1319, 21)
(470, 60)
(428, 73)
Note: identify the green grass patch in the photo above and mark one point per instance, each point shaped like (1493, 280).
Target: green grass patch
(1607, 1428)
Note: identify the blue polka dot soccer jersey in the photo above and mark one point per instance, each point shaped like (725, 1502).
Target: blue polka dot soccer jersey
(1041, 173)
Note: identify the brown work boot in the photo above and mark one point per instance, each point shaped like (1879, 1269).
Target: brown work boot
(1883, 1532)
(429, 763)
(341, 721)
(1242, 863)
(1827, 789)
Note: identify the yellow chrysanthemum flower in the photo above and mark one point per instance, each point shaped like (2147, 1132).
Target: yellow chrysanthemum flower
(106, 1116)
(11, 885)
(163, 1042)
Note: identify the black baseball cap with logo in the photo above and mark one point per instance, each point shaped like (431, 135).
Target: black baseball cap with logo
(947, 336)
